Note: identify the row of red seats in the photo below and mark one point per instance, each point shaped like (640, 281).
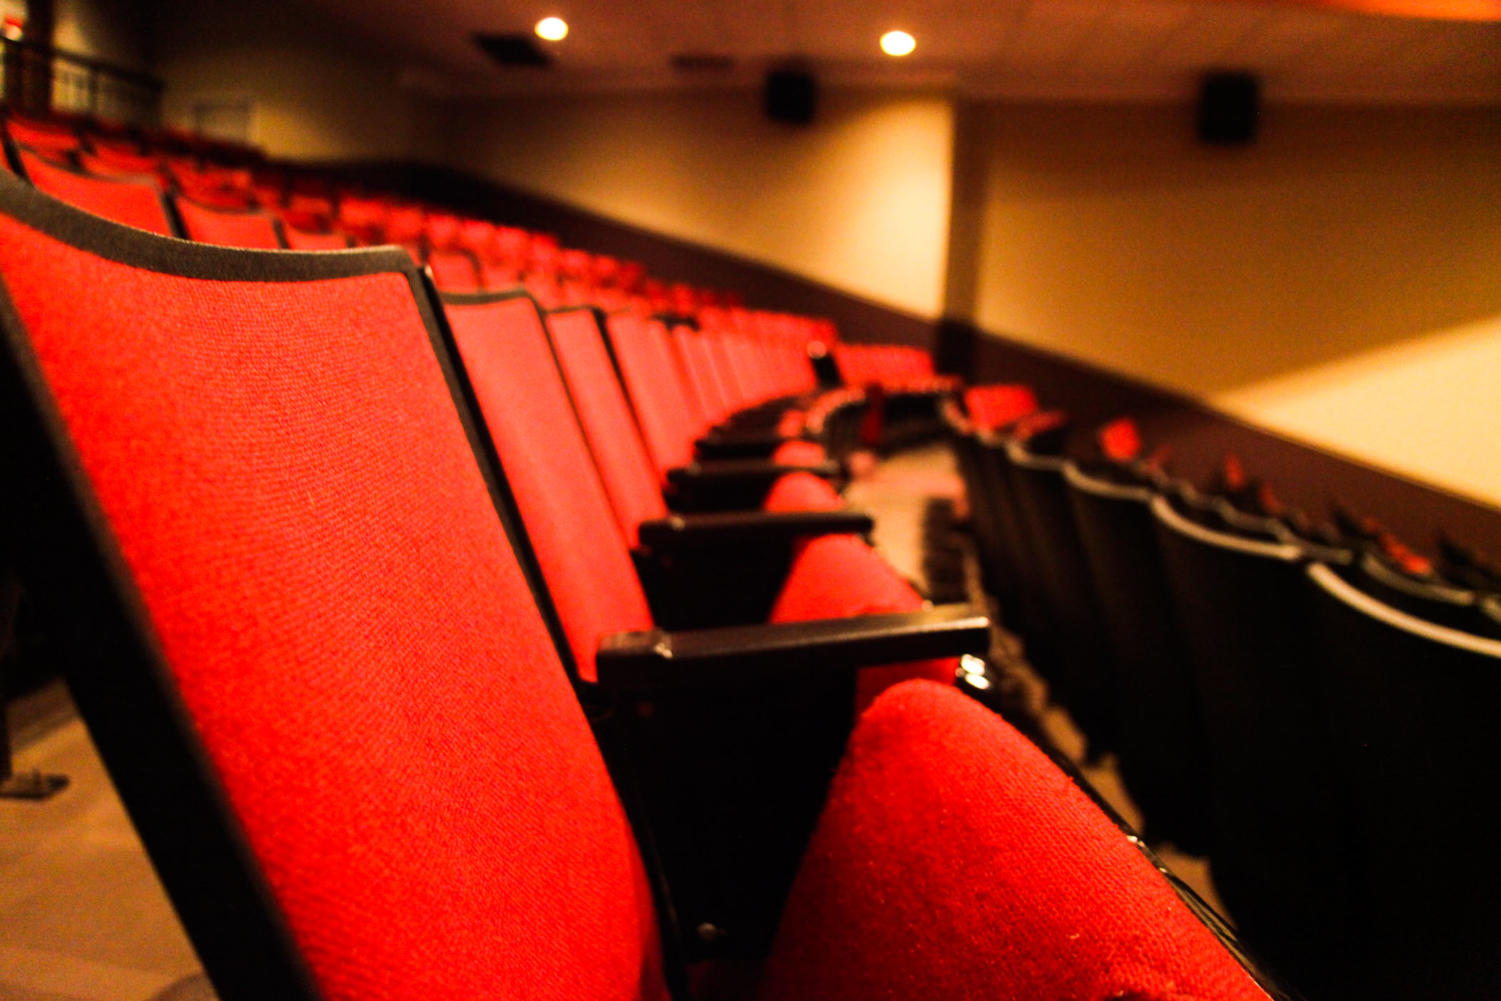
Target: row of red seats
(225, 201)
(65, 133)
(317, 562)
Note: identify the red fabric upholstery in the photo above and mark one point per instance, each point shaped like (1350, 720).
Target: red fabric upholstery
(254, 230)
(656, 393)
(136, 167)
(53, 138)
(585, 558)
(304, 239)
(122, 159)
(624, 464)
(799, 453)
(994, 406)
(358, 652)
(953, 860)
(1119, 440)
(454, 270)
(835, 576)
(133, 203)
(801, 492)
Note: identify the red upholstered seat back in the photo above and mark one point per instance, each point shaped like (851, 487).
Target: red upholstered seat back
(954, 860)
(696, 356)
(836, 576)
(578, 541)
(605, 415)
(306, 239)
(251, 230)
(655, 390)
(454, 270)
(54, 138)
(134, 203)
(280, 469)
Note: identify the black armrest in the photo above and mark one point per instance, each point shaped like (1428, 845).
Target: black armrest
(733, 444)
(743, 470)
(654, 660)
(741, 527)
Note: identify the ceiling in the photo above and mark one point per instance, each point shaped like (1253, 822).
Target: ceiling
(1049, 49)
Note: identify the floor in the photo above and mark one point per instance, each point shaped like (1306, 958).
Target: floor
(83, 917)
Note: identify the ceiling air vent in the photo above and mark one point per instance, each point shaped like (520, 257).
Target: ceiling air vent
(513, 50)
(702, 62)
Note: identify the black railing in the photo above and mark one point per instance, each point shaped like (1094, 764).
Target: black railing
(40, 79)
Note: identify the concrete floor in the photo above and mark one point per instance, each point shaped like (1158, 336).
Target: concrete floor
(83, 917)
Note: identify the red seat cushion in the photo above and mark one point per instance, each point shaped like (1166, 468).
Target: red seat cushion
(954, 860)
(801, 491)
(791, 423)
(799, 453)
(835, 576)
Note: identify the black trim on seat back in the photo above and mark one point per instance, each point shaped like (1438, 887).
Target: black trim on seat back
(84, 595)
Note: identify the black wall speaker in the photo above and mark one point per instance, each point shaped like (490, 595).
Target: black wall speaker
(1229, 108)
(791, 96)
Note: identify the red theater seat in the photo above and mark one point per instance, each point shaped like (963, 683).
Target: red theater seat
(306, 239)
(118, 164)
(247, 228)
(244, 497)
(672, 416)
(134, 203)
(52, 138)
(583, 551)
(454, 270)
(997, 879)
(614, 437)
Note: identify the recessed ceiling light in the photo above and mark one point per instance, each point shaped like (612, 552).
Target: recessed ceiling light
(897, 43)
(552, 29)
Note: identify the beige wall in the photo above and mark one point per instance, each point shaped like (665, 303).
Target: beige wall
(110, 30)
(318, 92)
(1339, 281)
(858, 200)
